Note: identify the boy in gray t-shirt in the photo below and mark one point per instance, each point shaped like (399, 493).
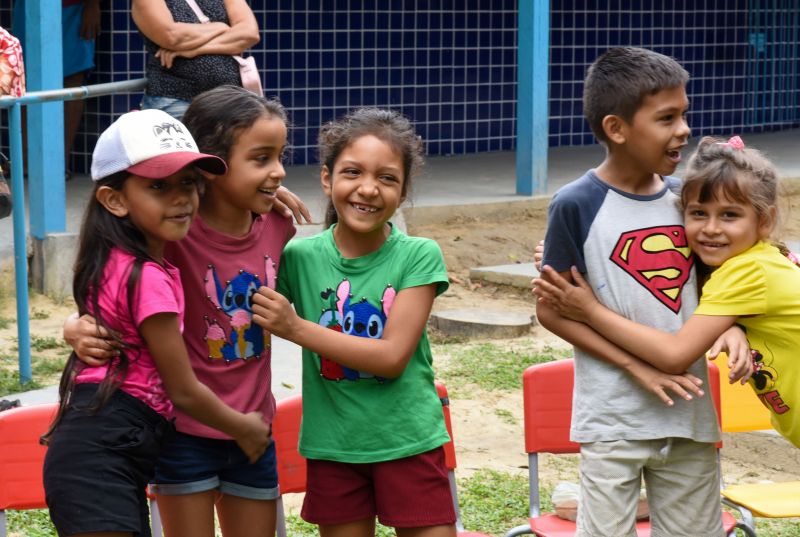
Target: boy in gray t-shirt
(620, 225)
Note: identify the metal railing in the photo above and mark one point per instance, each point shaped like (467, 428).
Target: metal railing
(15, 104)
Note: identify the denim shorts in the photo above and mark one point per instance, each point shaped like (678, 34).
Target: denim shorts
(190, 464)
(174, 107)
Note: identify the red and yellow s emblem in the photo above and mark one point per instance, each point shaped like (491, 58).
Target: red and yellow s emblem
(659, 259)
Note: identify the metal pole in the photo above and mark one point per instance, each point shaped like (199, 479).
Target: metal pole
(20, 250)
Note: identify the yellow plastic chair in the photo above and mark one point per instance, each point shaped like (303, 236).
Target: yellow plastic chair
(742, 411)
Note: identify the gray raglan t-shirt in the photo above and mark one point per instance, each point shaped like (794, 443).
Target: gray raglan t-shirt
(633, 252)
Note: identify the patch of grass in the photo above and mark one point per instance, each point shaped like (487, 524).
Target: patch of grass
(505, 415)
(789, 527)
(43, 343)
(492, 367)
(9, 383)
(297, 527)
(493, 502)
(46, 368)
(32, 523)
(5, 322)
(39, 315)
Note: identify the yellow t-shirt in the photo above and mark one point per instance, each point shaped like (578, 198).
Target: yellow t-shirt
(762, 287)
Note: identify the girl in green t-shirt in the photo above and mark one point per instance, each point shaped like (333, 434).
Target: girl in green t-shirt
(372, 426)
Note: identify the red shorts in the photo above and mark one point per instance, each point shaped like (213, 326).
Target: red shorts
(411, 492)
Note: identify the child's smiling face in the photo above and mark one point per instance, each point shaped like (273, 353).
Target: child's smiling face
(365, 185)
(255, 167)
(720, 228)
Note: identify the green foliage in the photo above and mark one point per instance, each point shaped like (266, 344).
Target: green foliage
(5, 322)
(32, 523)
(491, 367)
(787, 527)
(43, 343)
(297, 527)
(47, 367)
(39, 315)
(9, 382)
(505, 415)
(493, 502)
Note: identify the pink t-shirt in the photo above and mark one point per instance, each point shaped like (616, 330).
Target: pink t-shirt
(229, 353)
(158, 290)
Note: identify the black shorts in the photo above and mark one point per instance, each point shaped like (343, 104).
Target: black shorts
(98, 465)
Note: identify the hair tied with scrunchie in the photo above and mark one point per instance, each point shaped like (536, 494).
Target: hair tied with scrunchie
(734, 142)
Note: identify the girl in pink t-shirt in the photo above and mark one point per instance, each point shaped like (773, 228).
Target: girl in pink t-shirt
(233, 246)
(111, 421)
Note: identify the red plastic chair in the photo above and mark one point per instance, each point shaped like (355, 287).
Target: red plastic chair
(547, 395)
(22, 461)
(292, 465)
(22, 458)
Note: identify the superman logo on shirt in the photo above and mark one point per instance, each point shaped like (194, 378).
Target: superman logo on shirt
(659, 259)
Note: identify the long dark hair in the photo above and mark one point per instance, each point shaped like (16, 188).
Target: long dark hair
(216, 117)
(386, 125)
(100, 232)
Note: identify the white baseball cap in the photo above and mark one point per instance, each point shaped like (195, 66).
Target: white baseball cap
(149, 143)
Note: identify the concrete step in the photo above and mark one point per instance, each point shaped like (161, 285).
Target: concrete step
(482, 323)
(516, 274)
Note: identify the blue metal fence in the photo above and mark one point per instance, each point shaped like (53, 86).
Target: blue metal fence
(15, 104)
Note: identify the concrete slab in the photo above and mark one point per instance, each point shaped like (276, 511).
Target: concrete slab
(481, 323)
(516, 274)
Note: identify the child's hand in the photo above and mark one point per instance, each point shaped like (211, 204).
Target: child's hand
(92, 343)
(289, 204)
(740, 362)
(273, 312)
(659, 383)
(255, 437)
(538, 255)
(572, 301)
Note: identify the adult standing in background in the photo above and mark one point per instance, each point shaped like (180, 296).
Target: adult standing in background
(185, 57)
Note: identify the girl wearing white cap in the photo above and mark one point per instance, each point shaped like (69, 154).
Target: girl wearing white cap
(111, 424)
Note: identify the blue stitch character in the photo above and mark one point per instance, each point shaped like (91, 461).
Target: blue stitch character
(246, 339)
(360, 319)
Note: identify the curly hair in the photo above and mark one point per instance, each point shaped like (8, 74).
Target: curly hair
(386, 125)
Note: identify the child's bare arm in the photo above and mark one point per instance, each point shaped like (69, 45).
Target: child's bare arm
(92, 343)
(385, 357)
(162, 334)
(669, 352)
(657, 382)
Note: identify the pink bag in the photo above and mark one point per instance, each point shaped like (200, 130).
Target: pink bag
(248, 72)
(251, 79)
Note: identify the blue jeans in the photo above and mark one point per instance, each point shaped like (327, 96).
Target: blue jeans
(189, 464)
(174, 107)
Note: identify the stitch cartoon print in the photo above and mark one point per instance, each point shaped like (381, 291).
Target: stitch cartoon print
(361, 319)
(244, 339)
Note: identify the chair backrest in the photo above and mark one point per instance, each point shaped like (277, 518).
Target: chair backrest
(22, 457)
(547, 401)
(741, 408)
(450, 447)
(547, 396)
(286, 432)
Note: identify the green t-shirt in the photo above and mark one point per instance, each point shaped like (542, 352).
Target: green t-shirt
(350, 416)
(761, 286)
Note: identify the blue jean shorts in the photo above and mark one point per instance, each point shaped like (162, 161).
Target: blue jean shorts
(174, 107)
(191, 464)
